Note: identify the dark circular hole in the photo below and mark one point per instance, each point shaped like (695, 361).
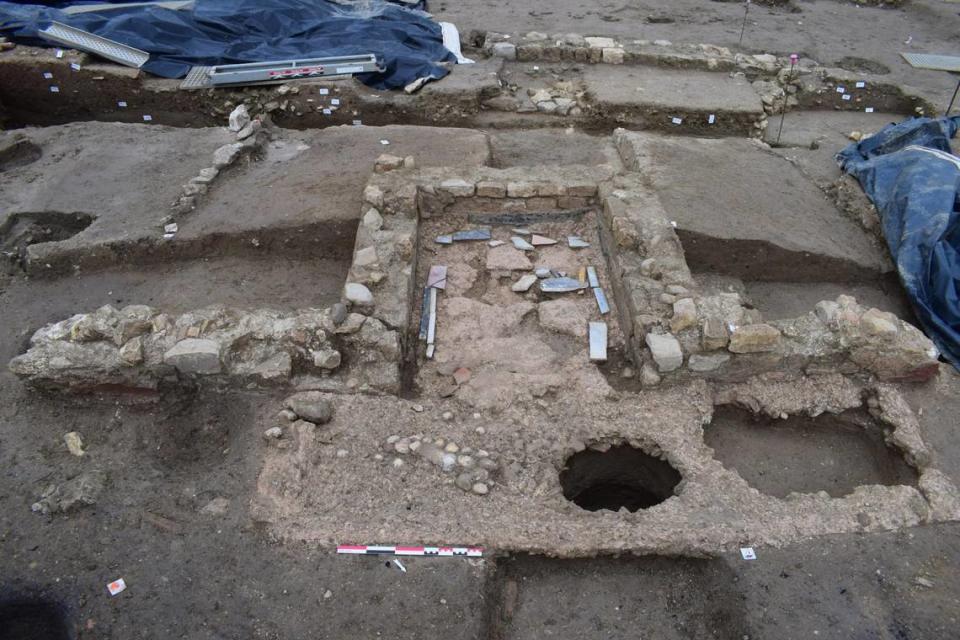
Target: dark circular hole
(620, 477)
(25, 619)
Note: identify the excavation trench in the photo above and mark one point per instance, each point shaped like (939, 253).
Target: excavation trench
(831, 453)
(638, 597)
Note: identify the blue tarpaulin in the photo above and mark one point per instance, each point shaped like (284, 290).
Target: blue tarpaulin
(910, 174)
(407, 42)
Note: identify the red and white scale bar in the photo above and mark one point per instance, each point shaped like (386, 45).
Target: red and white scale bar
(396, 550)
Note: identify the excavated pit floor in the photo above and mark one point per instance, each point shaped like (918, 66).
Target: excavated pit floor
(646, 597)
(835, 454)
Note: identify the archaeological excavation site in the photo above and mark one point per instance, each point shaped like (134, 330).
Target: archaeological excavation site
(404, 319)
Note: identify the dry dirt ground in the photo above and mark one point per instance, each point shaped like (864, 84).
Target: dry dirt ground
(176, 518)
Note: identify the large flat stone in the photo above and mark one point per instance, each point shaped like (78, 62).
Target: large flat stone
(671, 89)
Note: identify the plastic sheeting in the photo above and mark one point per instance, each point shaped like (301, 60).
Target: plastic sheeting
(912, 178)
(407, 41)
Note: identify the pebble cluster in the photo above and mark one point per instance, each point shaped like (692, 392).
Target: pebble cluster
(473, 468)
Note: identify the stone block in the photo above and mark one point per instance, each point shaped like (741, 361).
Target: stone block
(684, 315)
(521, 189)
(491, 190)
(715, 334)
(754, 338)
(194, 356)
(457, 188)
(666, 351)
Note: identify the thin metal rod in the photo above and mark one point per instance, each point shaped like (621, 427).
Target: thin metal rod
(746, 10)
(950, 106)
(783, 113)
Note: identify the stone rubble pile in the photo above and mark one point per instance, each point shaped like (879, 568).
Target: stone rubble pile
(473, 470)
(138, 347)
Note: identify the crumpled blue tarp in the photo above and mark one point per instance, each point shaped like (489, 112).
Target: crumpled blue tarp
(408, 42)
(912, 178)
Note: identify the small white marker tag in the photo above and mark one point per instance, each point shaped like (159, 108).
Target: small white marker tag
(869, 110)
(747, 553)
(861, 85)
(536, 68)
(711, 119)
(335, 102)
(54, 89)
(676, 120)
(116, 586)
(384, 142)
(324, 91)
(147, 118)
(122, 104)
(47, 75)
(59, 53)
(75, 66)
(845, 96)
(357, 123)
(841, 90)
(673, 223)
(327, 112)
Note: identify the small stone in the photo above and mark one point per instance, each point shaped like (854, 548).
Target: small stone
(418, 408)
(357, 294)
(342, 453)
(287, 415)
(505, 50)
(827, 311)
(461, 375)
(74, 443)
(457, 187)
(387, 162)
(627, 372)
(480, 489)
(447, 415)
(480, 430)
(649, 376)
(328, 359)
(491, 190)
(521, 189)
(666, 351)
(193, 355)
(923, 582)
(366, 257)
(226, 155)
(612, 55)
(372, 194)
(372, 219)
(715, 334)
(465, 461)
(464, 481)
(879, 323)
(662, 43)
(311, 406)
(338, 313)
(704, 363)
(239, 118)
(401, 447)
(524, 283)
(131, 353)
(409, 162)
(488, 464)
(521, 244)
(542, 272)
(393, 439)
(684, 315)
(397, 463)
(541, 241)
(451, 447)
(216, 507)
(448, 461)
(327, 594)
(415, 446)
(273, 433)
(754, 338)
(248, 130)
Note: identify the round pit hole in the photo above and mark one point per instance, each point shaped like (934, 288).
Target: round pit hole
(622, 477)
